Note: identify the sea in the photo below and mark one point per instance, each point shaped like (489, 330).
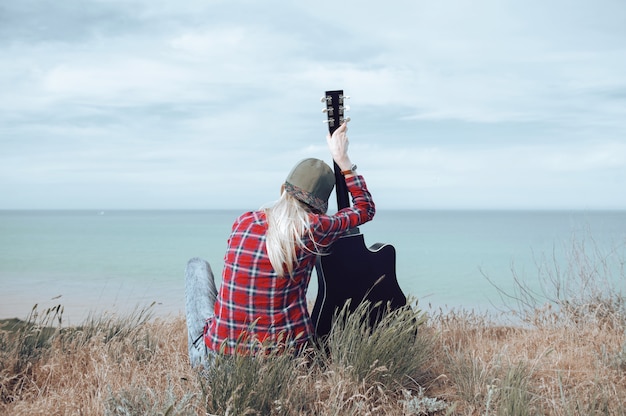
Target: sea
(117, 262)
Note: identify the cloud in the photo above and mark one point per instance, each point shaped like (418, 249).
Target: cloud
(148, 101)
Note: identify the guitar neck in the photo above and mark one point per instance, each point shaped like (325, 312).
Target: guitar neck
(335, 111)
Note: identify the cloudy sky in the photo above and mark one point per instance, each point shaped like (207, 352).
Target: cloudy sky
(160, 104)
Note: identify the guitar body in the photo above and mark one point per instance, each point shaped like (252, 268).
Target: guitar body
(355, 273)
(352, 272)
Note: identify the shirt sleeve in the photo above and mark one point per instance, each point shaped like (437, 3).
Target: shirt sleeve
(328, 228)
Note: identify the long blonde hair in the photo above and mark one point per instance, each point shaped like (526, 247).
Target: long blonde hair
(287, 222)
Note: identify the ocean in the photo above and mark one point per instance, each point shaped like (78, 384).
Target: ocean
(114, 262)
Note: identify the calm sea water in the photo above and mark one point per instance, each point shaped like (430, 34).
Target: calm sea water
(117, 261)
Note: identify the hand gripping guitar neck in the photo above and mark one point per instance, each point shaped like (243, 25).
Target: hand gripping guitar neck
(352, 272)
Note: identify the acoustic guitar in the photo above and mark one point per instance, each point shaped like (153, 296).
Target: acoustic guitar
(352, 272)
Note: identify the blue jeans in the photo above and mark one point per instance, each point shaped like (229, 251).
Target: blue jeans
(200, 296)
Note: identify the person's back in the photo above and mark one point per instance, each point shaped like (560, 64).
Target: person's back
(253, 299)
(268, 264)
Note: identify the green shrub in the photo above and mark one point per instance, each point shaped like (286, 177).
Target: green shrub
(141, 400)
(259, 385)
(395, 352)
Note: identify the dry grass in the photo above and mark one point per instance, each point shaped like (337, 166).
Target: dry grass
(137, 365)
(546, 370)
(462, 364)
(565, 357)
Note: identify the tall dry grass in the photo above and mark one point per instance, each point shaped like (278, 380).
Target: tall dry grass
(565, 356)
(136, 365)
(459, 363)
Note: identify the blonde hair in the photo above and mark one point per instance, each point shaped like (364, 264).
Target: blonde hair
(288, 221)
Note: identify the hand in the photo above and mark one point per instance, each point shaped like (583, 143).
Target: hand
(338, 146)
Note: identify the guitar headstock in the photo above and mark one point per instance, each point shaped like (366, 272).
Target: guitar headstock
(335, 109)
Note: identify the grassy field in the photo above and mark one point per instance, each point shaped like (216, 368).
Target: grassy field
(457, 364)
(564, 353)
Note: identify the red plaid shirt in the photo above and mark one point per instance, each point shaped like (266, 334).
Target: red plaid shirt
(256, 307)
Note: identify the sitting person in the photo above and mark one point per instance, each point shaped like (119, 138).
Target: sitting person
(268, 263)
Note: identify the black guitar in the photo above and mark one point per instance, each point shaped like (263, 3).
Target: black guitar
(352, 271)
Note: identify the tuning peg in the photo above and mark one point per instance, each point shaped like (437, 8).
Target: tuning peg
(346, 97)
(332, 121)
(346, 108)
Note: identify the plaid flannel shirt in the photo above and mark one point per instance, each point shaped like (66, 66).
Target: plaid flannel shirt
(255, 308)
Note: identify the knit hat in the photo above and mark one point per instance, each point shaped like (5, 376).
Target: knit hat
(311, 181)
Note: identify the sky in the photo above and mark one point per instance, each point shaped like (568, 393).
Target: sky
(162, 104)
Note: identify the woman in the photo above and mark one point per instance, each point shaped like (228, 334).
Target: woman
(271, 254)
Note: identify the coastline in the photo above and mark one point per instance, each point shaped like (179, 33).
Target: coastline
(121, 260)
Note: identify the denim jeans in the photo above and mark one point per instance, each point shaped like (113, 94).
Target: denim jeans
(200, 296)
